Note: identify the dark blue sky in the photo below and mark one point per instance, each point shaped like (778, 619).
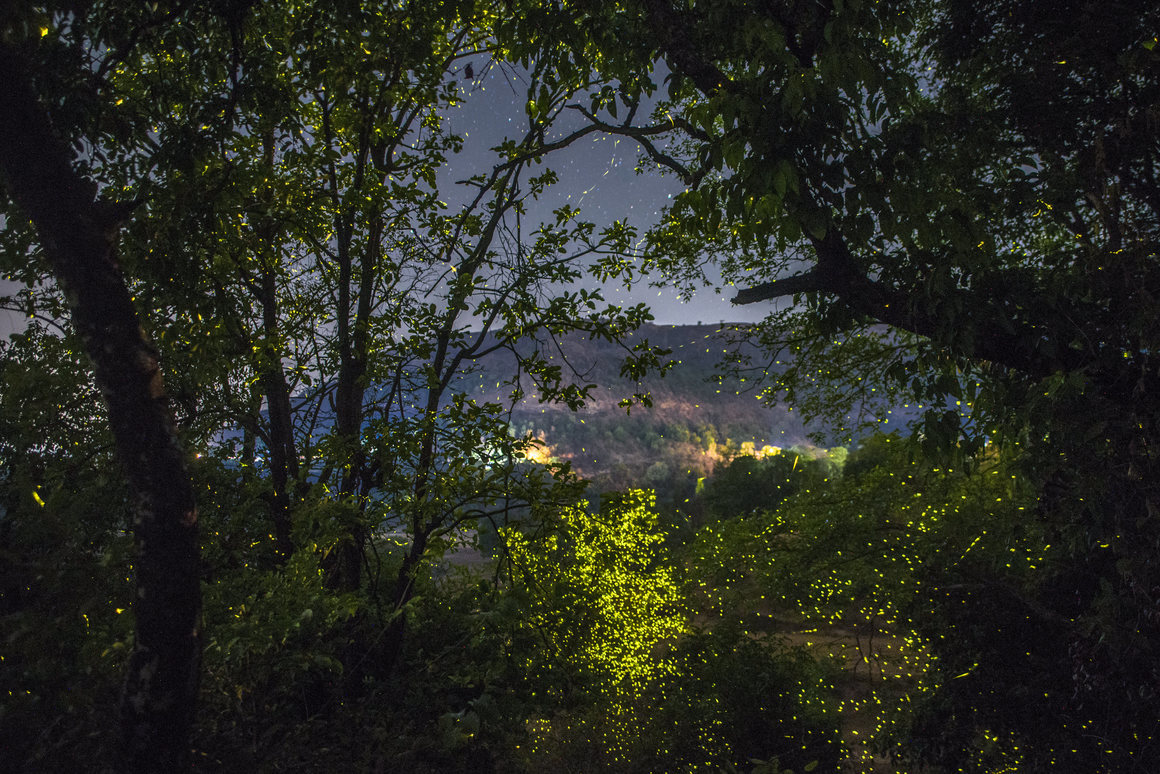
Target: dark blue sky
(597, 175)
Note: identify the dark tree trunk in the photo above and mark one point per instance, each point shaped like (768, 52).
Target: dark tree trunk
(283, 453)
(344, 566)
(78, 234)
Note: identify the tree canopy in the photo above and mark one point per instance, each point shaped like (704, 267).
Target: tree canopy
(243, 233)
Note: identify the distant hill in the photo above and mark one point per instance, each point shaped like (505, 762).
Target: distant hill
(695, 420)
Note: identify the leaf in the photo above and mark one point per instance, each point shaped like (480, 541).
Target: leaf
(733, 151)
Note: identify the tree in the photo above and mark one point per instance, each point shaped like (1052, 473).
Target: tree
(748, 485)
(78, 232)
(922, 577)
(977, 177)
(317, 289)
(953, 201)
(600, 602)
(350, 301)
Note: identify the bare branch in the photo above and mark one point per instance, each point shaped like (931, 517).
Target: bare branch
(810, 282)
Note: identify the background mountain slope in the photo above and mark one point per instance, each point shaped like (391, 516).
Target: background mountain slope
(697, 418)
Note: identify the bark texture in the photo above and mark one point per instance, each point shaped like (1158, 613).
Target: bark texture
(78, 233)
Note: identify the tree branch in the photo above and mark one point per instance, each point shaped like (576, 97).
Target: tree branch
(1018, 346)
(810, 282)
(641, 134)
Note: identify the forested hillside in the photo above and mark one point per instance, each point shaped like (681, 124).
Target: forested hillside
(690, 402)
(702, 410)
(335, 435)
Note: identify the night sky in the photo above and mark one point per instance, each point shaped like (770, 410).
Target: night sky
(597, 175)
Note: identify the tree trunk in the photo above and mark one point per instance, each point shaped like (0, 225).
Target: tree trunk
(78, 234)
(283, 455)
(343, 567)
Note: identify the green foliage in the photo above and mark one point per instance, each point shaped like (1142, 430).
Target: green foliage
(599, 607)
(315, 300)
(934, 576)
(599, 594)
(451, 705)
(978, 177)
(730, 700)
(64, 609)
(957, 203)
(616, 680)
(748, 485)
(64, 549)
(274, 650)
